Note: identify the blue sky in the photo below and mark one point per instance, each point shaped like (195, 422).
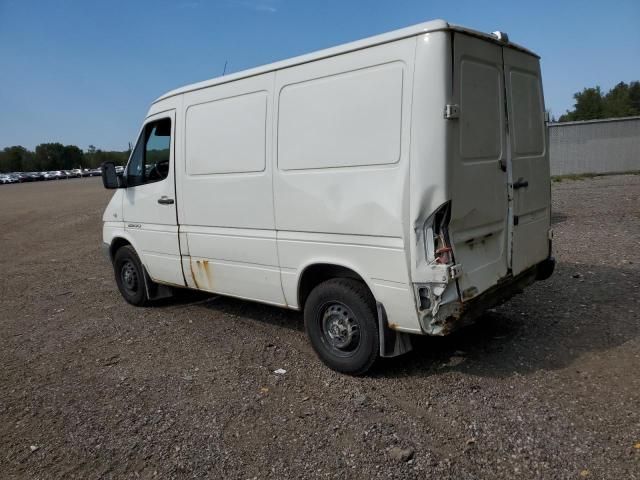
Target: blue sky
(84, 72)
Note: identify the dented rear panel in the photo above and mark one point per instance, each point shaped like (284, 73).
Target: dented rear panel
(482, 241)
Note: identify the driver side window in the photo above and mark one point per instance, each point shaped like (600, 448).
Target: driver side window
(150, 159)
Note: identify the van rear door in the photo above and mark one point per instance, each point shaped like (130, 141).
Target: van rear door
(529, 160)
(500, 170)
(479, 207)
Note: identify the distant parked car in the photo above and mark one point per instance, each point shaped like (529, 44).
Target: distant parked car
(8, 179)
(50, 175)
(60, 174)
(35, 176)
(96, 172)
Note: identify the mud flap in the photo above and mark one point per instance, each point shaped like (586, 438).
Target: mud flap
(545, 268)
(392, 343)
(155, 291)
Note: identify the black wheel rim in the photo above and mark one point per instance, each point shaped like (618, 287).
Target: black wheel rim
(340, 329)
(129, 277)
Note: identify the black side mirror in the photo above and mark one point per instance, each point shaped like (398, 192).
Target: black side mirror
(110, 177)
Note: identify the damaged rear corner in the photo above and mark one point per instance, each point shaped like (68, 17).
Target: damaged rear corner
(438, 303)
(453, 313)
(435, 291)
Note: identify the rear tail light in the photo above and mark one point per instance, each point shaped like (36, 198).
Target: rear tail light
(437, 245)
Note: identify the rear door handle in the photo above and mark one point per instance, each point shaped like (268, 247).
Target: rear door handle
(521, 182)
(165, 201)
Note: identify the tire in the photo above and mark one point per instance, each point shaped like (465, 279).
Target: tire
(129, 274)
(341, 322)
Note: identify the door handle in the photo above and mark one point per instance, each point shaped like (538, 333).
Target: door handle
(521, 182)
(502, 165)
(165, 201)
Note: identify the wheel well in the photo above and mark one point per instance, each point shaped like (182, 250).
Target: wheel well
(314, 275)
(116, 245)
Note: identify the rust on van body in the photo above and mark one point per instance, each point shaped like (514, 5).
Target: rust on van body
(193, 274)
(202, 274)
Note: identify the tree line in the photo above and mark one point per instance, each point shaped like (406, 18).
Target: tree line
(56, 156)
(623, 100)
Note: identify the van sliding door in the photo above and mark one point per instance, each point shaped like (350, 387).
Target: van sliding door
(479, 206)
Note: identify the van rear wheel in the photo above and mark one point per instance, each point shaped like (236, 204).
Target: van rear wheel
(340, 320)
(130, 276)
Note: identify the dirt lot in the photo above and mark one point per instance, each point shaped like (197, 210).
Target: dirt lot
(547, 386)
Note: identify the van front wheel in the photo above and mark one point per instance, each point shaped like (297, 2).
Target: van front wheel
(340, 320)
(130, 276)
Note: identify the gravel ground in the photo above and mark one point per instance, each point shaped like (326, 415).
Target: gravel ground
(546, 386)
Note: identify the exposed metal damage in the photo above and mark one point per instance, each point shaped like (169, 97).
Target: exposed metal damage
(437, 298)
(438, 306)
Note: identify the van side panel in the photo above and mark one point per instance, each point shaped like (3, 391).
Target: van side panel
(430, 170)
(314, 110)
(225, 191)
(342, 138)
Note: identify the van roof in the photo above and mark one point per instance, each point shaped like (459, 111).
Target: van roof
(420, 28)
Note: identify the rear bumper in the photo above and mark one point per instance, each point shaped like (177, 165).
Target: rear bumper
(456, 314)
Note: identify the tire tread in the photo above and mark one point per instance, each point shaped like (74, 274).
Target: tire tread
(361, 294)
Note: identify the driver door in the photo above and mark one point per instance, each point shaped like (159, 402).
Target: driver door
(149, 201)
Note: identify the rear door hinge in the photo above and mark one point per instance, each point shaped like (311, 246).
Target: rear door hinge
(451, 111)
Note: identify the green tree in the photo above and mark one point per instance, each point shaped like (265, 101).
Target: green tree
(15, 159)
(72, 157)
(623, 100)
(589, 106)
(634, 97)
(55, 156)
(49, 156)
(93, 158)
(617, 102)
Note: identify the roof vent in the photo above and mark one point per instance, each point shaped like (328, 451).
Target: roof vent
(501, 36)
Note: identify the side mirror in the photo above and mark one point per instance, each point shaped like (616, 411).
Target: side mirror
(110, 176)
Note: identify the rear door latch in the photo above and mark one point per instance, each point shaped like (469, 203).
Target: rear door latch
(520, 183)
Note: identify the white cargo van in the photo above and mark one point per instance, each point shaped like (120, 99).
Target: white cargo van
(391, 186)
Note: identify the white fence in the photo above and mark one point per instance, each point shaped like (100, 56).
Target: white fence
(595, 146)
